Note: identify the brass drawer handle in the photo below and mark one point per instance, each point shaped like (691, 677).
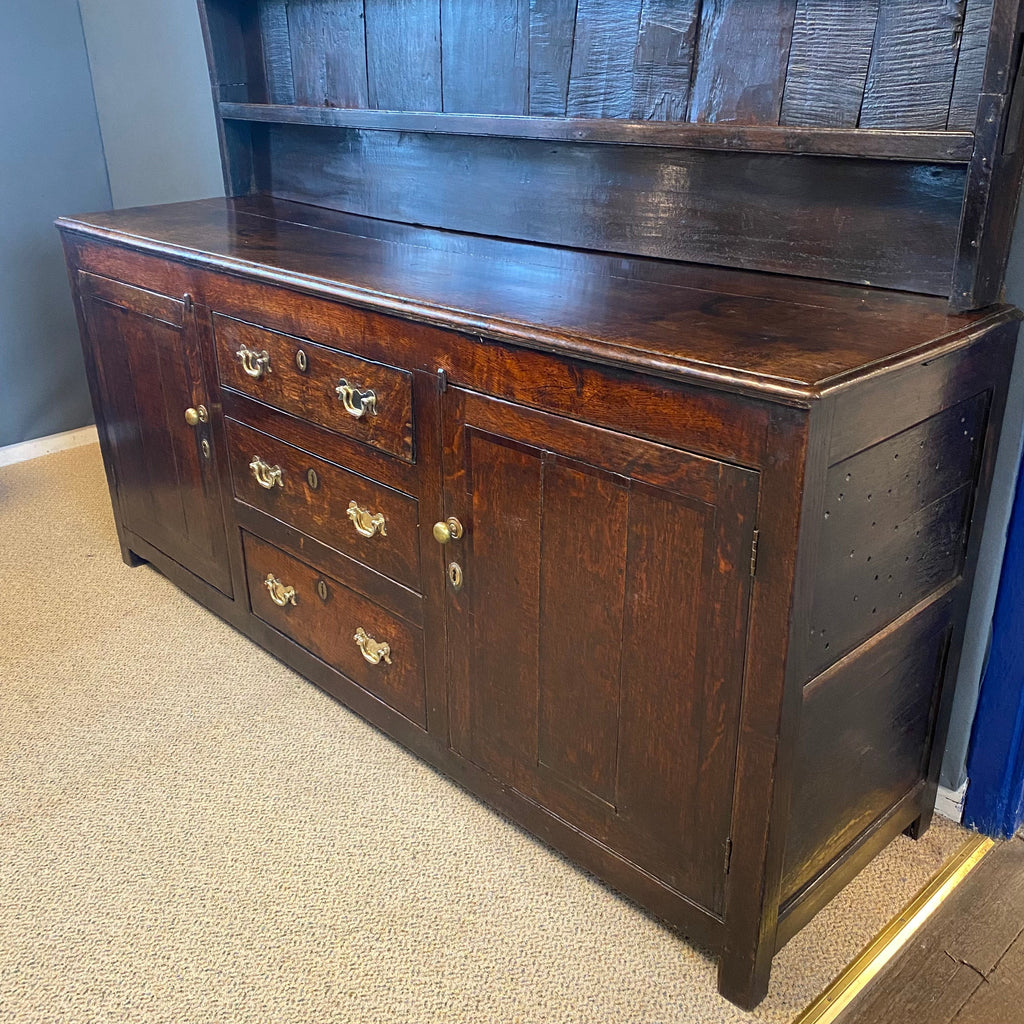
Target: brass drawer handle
(279, 593)
(357, 403)
(367, 523)
(267, 476)
(373, 652)
(254, 363)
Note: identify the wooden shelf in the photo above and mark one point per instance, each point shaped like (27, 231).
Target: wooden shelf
(917, 146)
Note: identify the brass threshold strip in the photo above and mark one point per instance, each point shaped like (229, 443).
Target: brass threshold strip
(896, 934)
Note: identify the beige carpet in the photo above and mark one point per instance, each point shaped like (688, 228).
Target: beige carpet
(190, 832)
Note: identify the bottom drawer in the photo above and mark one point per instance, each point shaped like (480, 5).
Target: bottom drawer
(363, 641)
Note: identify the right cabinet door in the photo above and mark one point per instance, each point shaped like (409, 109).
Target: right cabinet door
(596, 645)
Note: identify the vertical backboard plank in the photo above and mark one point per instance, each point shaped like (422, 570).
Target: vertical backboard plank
(403, 54)
(601, 80)
(828, 62)
(552, 31)
(664, 58)
(910, 78)
(742, 57)
(485, 54)
(970, 66)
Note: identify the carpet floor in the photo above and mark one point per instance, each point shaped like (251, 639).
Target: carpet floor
(190, 832)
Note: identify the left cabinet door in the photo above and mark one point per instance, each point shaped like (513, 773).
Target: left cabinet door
(154, 401)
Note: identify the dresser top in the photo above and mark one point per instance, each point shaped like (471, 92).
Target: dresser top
(785, 337)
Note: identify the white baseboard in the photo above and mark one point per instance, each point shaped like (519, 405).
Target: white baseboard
(950, 802)
(47, 445)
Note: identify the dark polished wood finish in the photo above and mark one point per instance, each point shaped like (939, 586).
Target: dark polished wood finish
(795, 136)
(660, 301)
(677, 701)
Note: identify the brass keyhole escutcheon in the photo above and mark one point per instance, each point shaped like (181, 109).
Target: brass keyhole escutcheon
(301, 361)
(448, 530)
(455, 575)
(313, 479)
(205, 448)
(321, 589)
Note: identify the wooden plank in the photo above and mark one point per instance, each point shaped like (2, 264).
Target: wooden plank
(970, 65)
(664, 59)
(601, 78)
(485, 56)
(742, 57)
(328, 44)
(403, 54)
(552, 30)
(277, 51)
(926, 147)
(910, 78)
(941, 976)
(1002, 995)
(828, 62)
(813, 216)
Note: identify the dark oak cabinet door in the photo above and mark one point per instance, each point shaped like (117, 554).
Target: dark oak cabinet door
(597, 641)
(150, 372)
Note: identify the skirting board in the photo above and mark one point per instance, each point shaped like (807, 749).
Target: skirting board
(47, 445)
(950, 802)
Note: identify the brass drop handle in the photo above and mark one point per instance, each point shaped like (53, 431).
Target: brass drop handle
(279, 593)
(357, 403)
(254, 363)
(372, 651)
(193, 417)
(367, 523)
(450, 529)
(267, 476)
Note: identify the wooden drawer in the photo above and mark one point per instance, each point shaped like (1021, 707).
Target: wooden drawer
(303, 378)
(325, 617)
(327, 502)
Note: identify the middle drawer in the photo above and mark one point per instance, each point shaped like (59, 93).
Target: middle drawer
(363, 519)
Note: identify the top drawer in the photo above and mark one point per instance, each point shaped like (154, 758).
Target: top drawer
(368, 402)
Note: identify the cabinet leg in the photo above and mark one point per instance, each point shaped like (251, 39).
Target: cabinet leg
(129, 556)
(744, 980)
(919, 826)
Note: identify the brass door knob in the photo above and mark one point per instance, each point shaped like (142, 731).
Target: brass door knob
(450, 529)
(193, 417)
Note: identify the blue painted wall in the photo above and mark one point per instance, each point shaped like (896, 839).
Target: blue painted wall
(155, 104)
(51, 162)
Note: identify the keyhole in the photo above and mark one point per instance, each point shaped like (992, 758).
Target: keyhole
(301, 361)
(312, 479)
(455, 575)
(321, 589)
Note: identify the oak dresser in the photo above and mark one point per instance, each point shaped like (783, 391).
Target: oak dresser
(609, 418)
